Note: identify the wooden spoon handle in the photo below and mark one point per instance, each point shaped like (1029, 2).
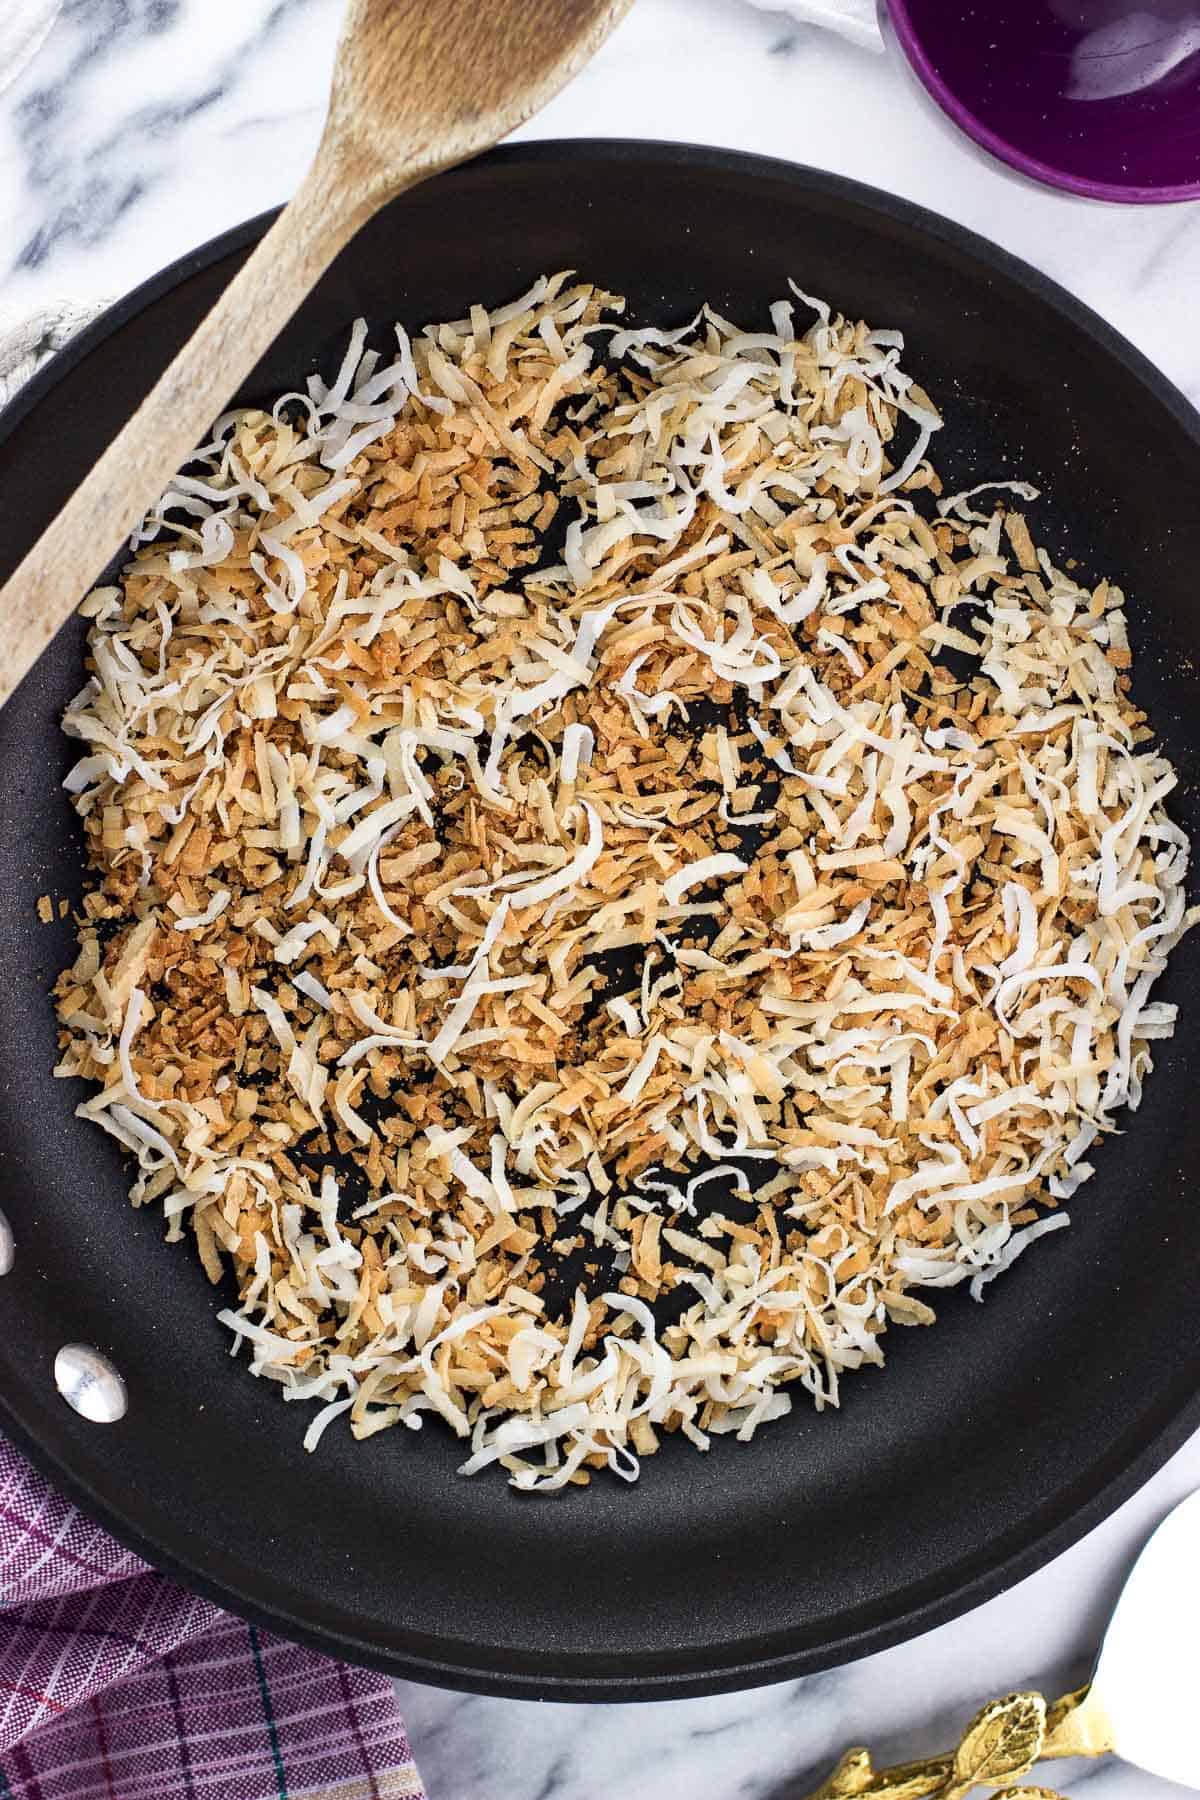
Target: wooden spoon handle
(54, 577)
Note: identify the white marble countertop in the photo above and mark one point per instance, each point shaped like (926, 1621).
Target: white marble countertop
(142, 128)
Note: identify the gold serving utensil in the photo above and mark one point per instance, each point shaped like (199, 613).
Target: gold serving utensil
(1139, 1704)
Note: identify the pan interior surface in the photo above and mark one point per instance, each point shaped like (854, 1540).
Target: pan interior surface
(990, 1441)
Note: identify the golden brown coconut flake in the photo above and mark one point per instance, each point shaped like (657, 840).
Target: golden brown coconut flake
(604, 880)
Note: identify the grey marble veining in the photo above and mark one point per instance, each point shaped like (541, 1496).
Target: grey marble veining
(144, 127)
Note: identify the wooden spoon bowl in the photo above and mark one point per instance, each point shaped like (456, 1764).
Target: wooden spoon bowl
(418, 85)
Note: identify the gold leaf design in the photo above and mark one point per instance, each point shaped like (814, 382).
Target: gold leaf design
(912, 1781)
(851, 1777)
(1078, 1725)
(1002, 1741)
(1060, 1710)
(855, 1779)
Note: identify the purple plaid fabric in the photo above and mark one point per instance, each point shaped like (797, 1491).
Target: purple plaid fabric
(117, 1685)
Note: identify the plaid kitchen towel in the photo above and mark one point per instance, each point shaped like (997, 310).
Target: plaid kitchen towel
(114, 1683)
(117, 1685)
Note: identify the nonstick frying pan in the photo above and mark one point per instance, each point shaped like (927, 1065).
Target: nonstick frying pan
(989, 1442)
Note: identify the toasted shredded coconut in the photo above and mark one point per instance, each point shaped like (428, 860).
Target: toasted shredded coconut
(552, 859)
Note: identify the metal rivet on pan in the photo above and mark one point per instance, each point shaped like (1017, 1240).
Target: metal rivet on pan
(6, 1245)
(89, 1383)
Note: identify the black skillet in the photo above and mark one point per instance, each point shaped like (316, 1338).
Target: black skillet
(990, 1442)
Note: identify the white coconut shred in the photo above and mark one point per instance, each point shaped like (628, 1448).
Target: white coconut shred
(606, 883)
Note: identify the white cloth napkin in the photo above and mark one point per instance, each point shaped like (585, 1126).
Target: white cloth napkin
(854, 19)
(26, 340)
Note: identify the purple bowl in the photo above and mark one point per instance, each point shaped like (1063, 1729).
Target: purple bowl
(1101, 97)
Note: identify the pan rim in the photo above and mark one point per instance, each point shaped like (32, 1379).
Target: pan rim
(451, 1663)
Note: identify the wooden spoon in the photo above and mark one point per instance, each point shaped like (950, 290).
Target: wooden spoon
(418, 85)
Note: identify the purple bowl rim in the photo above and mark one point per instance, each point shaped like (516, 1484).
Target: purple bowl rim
(897, 14)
